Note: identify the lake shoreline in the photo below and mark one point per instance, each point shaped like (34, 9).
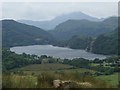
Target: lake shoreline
(55, 51)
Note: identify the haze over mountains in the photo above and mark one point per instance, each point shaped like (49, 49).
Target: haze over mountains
(51, 24)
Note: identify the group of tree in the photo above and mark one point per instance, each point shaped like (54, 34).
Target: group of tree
(98, 64)
(104, 44)
(11, 60)
(107, 43)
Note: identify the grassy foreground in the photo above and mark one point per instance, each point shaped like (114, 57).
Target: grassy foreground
(43, 75)
(110, 79)
(45, 80)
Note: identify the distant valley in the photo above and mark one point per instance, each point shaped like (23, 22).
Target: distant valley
(60, 45)
(83, 32)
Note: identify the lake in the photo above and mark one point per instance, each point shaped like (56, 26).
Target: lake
(59, 52)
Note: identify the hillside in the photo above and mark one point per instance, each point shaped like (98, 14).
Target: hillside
(51, 24)
(103, 44)
(75, 42)
(106, 43)
(67, 29)
(14, 34)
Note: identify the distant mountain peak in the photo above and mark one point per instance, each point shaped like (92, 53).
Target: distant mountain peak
(76, 15)
(51, 24)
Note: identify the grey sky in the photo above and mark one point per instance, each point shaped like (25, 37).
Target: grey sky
(49, 10)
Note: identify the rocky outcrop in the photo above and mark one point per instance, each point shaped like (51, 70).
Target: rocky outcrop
(71, 84)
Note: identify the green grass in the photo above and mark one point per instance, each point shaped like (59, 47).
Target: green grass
(44, 67)
(18, 81)
(93, 64)
(55, 68)
(44, 74)
(40, 68)
(45, 80)
(110, 79)
(80, 70)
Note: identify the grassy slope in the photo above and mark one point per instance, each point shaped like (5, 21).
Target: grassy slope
(42, 67)
(39, 68)
(45, 80)
(51, 68)
(111, 79)
(19, 81)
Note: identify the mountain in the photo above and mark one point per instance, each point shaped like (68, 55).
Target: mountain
(15, 33)
(76, 42)
(49, 25)
(67, 29)
(106, 43)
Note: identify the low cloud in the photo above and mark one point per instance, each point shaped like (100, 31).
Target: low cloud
(44, 11)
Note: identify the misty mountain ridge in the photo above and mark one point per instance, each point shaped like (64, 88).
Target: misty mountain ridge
(70, 28)
(51, 24)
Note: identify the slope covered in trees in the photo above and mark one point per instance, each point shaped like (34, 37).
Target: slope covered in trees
(14, 33)
(66, 30)
(75, 42)
(106, 43)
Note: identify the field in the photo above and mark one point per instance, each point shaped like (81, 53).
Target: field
(42, 75)
(46, 67)
(111, 79)
(54, 67)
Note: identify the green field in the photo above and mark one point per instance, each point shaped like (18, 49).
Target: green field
(111, 79)
(56, 67)
(53, 67)
(44, 67)
(41, 72)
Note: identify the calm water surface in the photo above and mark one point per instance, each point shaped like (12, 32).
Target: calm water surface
(59, 52)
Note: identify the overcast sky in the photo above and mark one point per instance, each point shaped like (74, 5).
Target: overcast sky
(49, 10)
